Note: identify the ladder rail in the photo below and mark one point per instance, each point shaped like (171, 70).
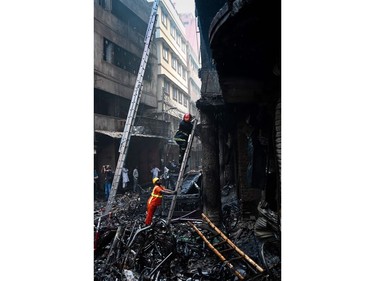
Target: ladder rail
(182, 170)
(125, 140)
(232, 245)
(230, 254)
(222, 258)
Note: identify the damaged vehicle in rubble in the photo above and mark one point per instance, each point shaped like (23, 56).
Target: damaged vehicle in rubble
(189, 198)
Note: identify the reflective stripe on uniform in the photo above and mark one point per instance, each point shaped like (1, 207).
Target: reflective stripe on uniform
(156, 196)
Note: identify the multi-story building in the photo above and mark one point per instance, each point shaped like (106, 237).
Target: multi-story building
(191, 31)
(194, 81)
(178, 85)
(119, 31)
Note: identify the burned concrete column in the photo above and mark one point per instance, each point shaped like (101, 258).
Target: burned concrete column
(209, 105)
(210, 163)
(221, 144)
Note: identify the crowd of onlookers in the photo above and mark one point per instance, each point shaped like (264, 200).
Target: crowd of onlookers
(130, 181)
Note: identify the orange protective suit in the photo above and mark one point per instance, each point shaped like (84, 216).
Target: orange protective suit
(153, 202)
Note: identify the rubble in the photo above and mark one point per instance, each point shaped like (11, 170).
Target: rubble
(126, 249)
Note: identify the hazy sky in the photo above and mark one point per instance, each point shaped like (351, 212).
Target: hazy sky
(185, 6)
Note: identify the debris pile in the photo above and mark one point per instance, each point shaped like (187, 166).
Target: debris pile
(126, 249)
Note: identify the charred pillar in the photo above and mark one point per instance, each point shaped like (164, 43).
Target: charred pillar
(221, 137)
(210, 167)
(209, 105)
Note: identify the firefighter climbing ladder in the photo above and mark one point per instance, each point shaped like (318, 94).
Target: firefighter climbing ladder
(182, 170)
(227, 251)
(125, 140)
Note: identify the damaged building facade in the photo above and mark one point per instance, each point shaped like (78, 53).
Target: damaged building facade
(119, 31)
(225, 224)
(240, 107)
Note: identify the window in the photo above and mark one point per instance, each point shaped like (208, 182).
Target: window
(165, 54)
(194, 66)
(164, 19)
(118, 56)
(195, 87)
(179, 97)
(166, 88)
(102, 3)
(173, 31)
(184, 73)
(174, 93)
(185, 101)
(174, 63)
(183, 47)
(126, 15)
(178, 40)
(108, 53)
(179, 69)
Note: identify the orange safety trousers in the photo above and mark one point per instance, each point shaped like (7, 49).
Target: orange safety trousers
(153, 202)
(151, 208)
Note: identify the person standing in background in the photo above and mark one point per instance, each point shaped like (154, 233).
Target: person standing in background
(125, 177)
(135, 179)
(107, 171)
(166, 176)
(96, 188)
(155, 172)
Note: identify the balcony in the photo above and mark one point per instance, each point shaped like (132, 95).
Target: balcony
(143, 126)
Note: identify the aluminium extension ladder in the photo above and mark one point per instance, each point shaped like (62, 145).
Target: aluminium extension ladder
(125, 140)
(182, 170)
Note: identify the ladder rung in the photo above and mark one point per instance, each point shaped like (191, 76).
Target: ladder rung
(222, 258)
(232, 245)
(219, 243)
(227, 250)
(236, 258)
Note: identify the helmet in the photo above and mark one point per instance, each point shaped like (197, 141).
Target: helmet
(154, 180)
(187, 117)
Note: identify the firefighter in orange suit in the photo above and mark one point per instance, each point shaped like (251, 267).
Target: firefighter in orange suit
(155, 199)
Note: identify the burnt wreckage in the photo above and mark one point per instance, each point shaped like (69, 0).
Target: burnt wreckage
(187, 248)
(236, 234)
(240, 107)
